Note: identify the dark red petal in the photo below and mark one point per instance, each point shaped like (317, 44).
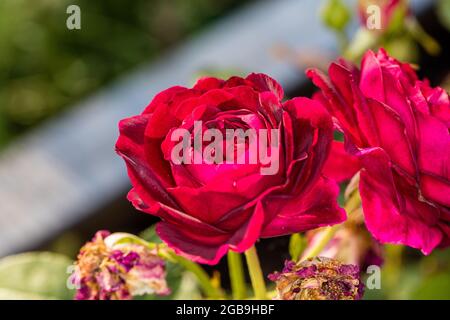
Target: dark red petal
(337, 105)
(392, 216)
(212, 98)
(435, 188)
(209, 249)
(165, 97)
(145, 179)
(312, 135)
(439, 103)
(263, 82)
(393, 136)
(341, 165)
(315, 208)
(210, 203)
(434, 146)
(372, 81)
(208, 83)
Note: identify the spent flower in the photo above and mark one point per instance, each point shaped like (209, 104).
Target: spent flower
(105, 271)
(318, 278)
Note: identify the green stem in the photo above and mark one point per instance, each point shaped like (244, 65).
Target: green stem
(256, 275)
(362, 41)
(392, 270)
(325, 238)
(420, 35)
(202, 277)
(352, 203)
(236, 272)
(343, 41)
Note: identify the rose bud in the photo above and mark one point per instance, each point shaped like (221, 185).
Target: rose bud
(209, 205)
(398, 127)
(318, 278)
(103, 272)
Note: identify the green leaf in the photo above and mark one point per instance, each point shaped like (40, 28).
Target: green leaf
(174, 279)
(35, 275)
(174, 270)
(150, 235)
(335, 15)
(434, 287)
(403, 48)
(7, 294)
(188, 289)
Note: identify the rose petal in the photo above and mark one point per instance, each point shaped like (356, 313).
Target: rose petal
(263, 82)
(317, 208)
(146, 179)
(381, 205)
(337, 105)
(209, 250)
(341, 165)
(434, 146)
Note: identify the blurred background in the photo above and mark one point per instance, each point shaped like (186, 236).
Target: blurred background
(62, 93)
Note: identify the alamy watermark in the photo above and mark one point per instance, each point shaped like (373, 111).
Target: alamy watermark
(373, 17)
(210, 146)
(73, 21)
(373, 281)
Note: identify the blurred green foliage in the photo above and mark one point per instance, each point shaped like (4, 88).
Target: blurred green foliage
(443, 12)
(44, 67)
(35, 275)
(335, 15)
(408, 274)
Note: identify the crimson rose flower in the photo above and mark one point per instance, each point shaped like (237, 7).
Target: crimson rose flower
(207, 208)
(398, 127)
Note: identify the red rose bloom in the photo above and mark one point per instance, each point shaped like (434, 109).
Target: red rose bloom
(208, 208)
(398, 127)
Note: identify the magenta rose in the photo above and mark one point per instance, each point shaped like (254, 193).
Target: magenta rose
(208, 208)
(398, 127)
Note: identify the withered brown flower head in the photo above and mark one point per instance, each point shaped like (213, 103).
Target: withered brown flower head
(103, 272)
(318, 278)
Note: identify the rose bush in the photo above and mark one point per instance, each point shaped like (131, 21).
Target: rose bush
(398, 127)
(207, 209)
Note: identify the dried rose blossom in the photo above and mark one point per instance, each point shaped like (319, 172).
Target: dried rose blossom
(318, 278)
(107, 272)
